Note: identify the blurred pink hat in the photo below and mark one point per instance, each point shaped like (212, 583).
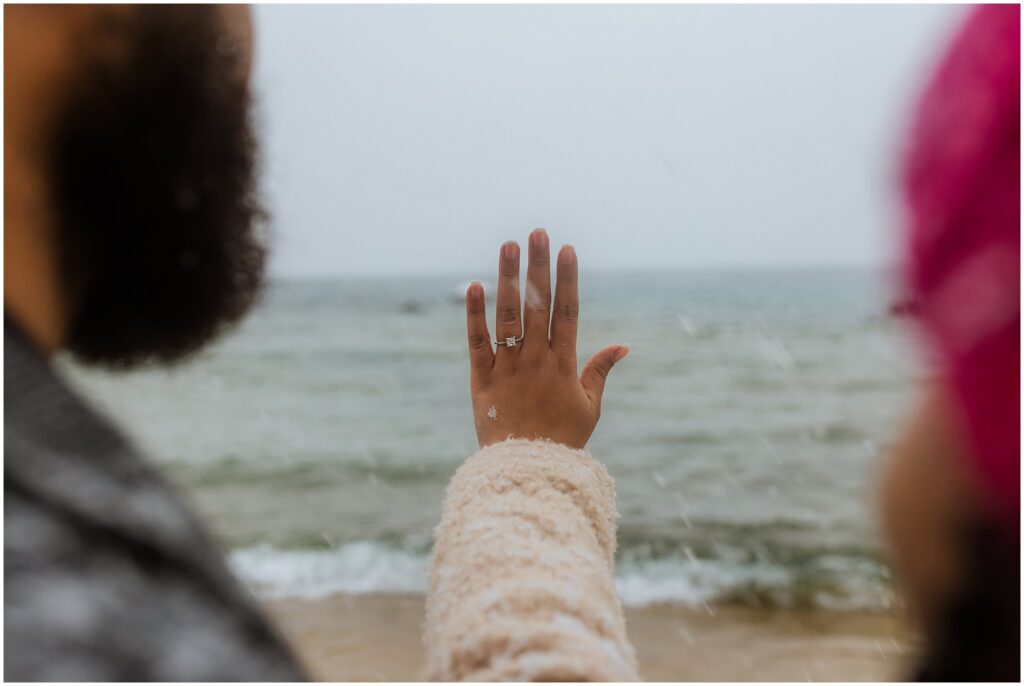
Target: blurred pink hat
(962, 185)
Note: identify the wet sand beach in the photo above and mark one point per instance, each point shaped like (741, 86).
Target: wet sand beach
(377, 638)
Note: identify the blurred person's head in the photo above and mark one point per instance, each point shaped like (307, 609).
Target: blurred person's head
(952, 487)
(131, 214)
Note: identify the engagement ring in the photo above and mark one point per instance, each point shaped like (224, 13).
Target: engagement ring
(509, 342)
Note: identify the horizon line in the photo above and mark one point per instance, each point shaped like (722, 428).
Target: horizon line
(625, 269)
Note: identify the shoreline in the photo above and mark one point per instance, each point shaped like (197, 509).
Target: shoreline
(376, 637)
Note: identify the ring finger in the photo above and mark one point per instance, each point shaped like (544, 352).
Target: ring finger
(508, 322)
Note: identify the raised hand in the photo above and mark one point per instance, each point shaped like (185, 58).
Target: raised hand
(528, 387)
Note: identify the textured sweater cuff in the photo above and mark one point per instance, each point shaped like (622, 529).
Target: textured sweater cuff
(533, 466)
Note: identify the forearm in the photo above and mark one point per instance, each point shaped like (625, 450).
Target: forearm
(521, 585)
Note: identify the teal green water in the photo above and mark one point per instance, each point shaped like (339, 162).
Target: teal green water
(743, 431)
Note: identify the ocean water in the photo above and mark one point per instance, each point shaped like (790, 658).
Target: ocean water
(743, 431)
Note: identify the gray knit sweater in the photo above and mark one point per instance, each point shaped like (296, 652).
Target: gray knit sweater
(107, 576)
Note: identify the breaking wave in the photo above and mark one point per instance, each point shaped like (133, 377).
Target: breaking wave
(365, 567)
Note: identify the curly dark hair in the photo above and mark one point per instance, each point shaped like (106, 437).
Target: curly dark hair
(153, 165)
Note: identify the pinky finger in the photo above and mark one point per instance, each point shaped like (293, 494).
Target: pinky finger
(481, 355)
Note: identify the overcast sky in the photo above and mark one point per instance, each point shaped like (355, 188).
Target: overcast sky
(417, 139)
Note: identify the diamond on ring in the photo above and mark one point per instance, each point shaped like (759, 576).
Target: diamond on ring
(509, 342)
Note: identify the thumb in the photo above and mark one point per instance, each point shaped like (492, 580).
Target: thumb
(595, 371)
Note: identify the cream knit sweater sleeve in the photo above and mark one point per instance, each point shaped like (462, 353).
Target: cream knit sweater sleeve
(521, 585)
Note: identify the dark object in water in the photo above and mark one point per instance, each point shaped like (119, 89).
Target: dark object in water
(411, 307)
(906, 307)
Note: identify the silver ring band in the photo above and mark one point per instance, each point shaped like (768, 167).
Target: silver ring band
(509, 342)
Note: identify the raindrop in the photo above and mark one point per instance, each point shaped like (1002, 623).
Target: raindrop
(771, 450)
(686, 519)
(689, 326)
(735, 484)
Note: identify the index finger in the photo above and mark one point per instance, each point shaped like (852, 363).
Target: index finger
(481, 356)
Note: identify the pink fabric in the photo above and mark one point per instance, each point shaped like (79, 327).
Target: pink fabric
(962, 184)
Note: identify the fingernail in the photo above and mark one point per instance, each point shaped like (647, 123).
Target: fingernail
(476, 289)
(509, 250)
(568, 254)
(621, 352)
(539, 239)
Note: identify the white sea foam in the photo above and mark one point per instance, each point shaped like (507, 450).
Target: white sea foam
(687, 582)
(357, 568)
(369, 567)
